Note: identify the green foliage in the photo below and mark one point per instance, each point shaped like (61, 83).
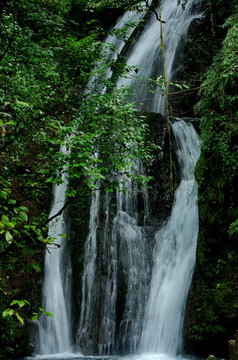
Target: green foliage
(233, 228)
(218, 91)
(12, 312)
(14, 224)
(218, 162)
(220, 9)
(216, 172)
(40, 312)
(45, 65)
(102, 4)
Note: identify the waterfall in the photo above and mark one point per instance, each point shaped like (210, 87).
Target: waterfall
(89, 290)
(146, 53)
(124, 259)
(174, 254)
(88, 282)
(121, 310)
(55, 332)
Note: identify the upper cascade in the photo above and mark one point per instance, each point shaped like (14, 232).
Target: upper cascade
(145, 53)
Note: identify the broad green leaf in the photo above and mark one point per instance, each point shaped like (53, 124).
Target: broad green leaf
(5, 219)
(8, 312)
(14, 302)
(20, 303)
(48, 314)
(23, 216)
(3, 194)
(36, 266)
(19, 318)
(10, 225)
(22, 103)
(8, 237)
(23, 208)
(61, 235)
(12, 201)
(11, 122)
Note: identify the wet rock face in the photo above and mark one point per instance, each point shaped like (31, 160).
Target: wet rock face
(158, 168)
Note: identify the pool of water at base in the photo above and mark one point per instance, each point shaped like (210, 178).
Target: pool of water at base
(79, 356)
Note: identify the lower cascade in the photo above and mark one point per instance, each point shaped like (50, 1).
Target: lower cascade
(174, 255)
(153, 312)
(152, 317)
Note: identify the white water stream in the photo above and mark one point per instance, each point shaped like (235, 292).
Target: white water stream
(55, 332)
(133, 260)
(174, 255)
(123, 254)
(146, 53)
(88, 279)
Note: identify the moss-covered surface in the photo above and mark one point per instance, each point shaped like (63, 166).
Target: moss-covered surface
(212, 314)
(213, 308)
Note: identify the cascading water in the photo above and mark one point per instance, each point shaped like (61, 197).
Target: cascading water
(174, 254)
(115, 282)
(116, 45)
(109, 284)
(134, 262)
(88, 281)
(123, 256)
(55, 332)
(146, 53)
(124, 247)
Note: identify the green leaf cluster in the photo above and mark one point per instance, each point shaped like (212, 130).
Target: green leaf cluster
(102, 4)
(218, 107)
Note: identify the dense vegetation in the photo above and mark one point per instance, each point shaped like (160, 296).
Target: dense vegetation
(215, 285)
(47, 57)
(49, 51)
